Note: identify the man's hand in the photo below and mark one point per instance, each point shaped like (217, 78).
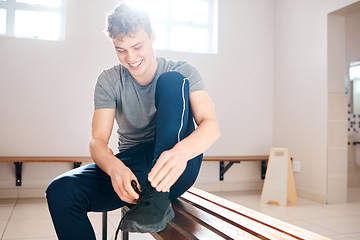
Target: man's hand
(121, 178)
(167, 169)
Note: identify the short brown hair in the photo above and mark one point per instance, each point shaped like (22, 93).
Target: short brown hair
(125, 20)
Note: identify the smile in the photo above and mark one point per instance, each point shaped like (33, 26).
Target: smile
(135, 64)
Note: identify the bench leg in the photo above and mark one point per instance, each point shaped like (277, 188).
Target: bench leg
(263, 169)
(77, 164)
(18, 171)
(125, 235)
(104, 225)
(224, 168)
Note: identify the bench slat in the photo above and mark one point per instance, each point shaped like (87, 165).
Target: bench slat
(268, 222)
(209, 225)
(236, 158)
(237, 219)
(186, 222)
(45, 159)
(173, 231)
(88, 159)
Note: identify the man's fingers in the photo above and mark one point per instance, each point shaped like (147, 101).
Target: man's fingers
(168, 181)
(124, 196)
(156, 168)
(126, 193)
(128, 200)
(160, 175)
(166, 171)
(130, 190)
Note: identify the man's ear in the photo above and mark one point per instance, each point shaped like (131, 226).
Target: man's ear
(153, 36)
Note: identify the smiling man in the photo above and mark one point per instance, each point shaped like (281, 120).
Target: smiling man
(154, 102)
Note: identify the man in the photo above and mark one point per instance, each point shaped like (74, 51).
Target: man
(154, 102)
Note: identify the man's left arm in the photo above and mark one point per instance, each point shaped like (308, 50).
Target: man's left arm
(172, 163)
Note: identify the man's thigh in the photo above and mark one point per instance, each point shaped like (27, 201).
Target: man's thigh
(92, 187)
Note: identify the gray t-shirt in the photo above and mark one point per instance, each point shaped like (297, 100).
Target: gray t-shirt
(134, 103)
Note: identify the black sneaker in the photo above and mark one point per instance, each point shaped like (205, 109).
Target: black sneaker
(151, 213)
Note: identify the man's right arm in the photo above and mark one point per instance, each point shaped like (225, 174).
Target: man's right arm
(103, 156)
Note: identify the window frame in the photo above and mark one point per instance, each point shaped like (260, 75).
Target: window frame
(211, 27)
(11, 6)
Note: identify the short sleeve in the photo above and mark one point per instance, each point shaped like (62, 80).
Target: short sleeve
(104, 94)
(195, 80)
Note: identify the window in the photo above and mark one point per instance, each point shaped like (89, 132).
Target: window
(39, 19)
(2, 21)
(183, 25)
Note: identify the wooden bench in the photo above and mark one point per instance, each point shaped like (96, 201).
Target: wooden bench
(201, 215)
(18, 161)
(237, 159)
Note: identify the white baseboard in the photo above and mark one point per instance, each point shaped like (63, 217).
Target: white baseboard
(22, 193)
(218, 187)
(9, 193)
(310, 195)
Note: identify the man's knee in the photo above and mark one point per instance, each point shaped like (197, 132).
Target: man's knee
(171, 80)
(171, 84)
(60, 189)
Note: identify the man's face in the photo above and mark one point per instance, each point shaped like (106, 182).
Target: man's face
(136, 53)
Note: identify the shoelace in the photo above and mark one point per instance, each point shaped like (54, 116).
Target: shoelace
(134, 185)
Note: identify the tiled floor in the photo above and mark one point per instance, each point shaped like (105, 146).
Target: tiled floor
(336, 221)
(29, 218)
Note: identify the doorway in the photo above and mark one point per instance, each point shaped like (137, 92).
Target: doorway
(343, 171)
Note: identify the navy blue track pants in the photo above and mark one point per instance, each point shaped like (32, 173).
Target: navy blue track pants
(88, 189)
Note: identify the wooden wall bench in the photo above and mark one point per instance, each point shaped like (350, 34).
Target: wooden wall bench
(237, 159)
(18, 161)
(225, 162)
(201, 215)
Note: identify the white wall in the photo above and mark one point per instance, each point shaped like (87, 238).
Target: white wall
(300, 92)
(240, 83)
(46, 91)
